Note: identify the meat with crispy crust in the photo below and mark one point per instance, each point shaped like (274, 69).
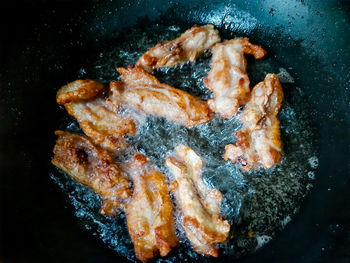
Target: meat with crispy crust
(149, 213)
(141, 91)
(199, 204)
(259, 141)
(98, 121)
(79, 89)
(185, 48)
(228, 79)
(94, 167)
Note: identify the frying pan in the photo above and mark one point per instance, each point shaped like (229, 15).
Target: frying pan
(43, 45)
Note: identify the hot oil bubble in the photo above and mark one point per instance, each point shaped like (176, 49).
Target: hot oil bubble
(313, 161)
(257, 203)
(262, 240)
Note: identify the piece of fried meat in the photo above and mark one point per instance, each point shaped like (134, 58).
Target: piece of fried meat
(185, 48)
(94, 167)
(140, 90)
(259, 141)
(98, 121)
(79, 89)
(228, 79)
(199, 204)
(149, 213)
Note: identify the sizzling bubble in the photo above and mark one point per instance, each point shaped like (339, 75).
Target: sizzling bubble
(259, 202)
(262, 240)
(313, 161)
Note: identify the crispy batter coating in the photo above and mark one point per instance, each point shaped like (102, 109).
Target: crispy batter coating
(98, 121)
(199, 204)
(94, 167)
(142, 91)
(103, 125)
(259, 140)
(185, 48)
(228, 79)
(149, 213)
(79, 89)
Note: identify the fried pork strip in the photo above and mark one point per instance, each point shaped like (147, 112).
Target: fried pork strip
(79, 89)
(185, 48)
(228, 79)
(149, 213)
(93, 167)
(199, 204)
(98, 121)
(142, 91)
(259, 140)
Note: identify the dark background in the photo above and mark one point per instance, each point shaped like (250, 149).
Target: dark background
(43, 43)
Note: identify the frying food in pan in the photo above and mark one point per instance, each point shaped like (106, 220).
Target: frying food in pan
(185, 48)
(92, 166)
(149, 213)
(96, 118)
(228, 79)
(142, 91)
(148, 206)
(259, 141)
(199, 204)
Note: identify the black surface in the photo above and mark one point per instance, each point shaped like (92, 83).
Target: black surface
(44, 43)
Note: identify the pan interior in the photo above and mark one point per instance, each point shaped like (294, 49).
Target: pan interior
(258, 204)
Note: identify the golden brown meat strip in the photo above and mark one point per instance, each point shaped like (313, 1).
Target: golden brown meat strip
(142, 91)
(199, 204)
(149, 213)
(259, 141)
(228, 79)
(93, 167)
(79, 89)
(185, 48)
(103, 125)
(98, 121)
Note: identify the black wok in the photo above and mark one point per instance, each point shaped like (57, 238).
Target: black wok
(43, 45)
